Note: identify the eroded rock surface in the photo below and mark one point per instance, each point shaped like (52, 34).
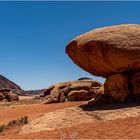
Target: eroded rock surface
(7, 95)
(79, 90)
(116, 86)
(106, 51)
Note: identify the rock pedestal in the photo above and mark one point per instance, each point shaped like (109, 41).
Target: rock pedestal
(116, 86)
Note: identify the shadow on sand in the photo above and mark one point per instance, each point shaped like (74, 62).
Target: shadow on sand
(110, 106)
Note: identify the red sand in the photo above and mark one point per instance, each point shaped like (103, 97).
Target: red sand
(128, 128)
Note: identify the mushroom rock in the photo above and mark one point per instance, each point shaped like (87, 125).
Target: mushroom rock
(109, 51)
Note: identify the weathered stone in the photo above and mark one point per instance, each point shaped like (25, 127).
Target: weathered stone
(116, 86)
(62, 97)
(48, 90)
(106, 51)
(113, 53)
(11, 97)
(80, 86)
(49, 99)
(81, 95)
(79, 90)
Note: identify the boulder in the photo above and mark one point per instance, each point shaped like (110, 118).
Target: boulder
(7, 95)
(50, 99)
(79, 90)
(11, 97)
(106, 51)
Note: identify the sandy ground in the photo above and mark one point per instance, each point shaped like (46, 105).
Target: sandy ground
(122, 122)
(32, 111)
(26, 97)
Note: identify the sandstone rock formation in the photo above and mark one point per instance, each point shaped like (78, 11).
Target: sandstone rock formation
(113, 53)
(6, 94)
(80, 90)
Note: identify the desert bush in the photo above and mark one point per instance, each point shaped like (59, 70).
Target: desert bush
(21, 121)
(2, 127)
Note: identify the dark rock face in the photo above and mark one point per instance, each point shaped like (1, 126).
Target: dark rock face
(80, 90)
(135, 82)
(113, 53)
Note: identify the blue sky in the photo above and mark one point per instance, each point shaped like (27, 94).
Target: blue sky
(33, 36)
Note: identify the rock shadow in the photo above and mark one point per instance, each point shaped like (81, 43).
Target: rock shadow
(113, 106)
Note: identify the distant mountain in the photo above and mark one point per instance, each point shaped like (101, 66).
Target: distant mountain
(32, 92)
(6, 83)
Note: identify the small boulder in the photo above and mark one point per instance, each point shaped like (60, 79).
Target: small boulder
(6, 94)
(11, 97)
(50, 99)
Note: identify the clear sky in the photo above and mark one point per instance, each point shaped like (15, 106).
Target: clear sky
(33, 36)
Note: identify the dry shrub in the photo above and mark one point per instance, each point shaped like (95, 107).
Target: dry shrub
(20, 121)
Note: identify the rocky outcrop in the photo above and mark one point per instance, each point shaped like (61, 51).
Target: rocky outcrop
(113, 53)
(80, 90)
(7, 95)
